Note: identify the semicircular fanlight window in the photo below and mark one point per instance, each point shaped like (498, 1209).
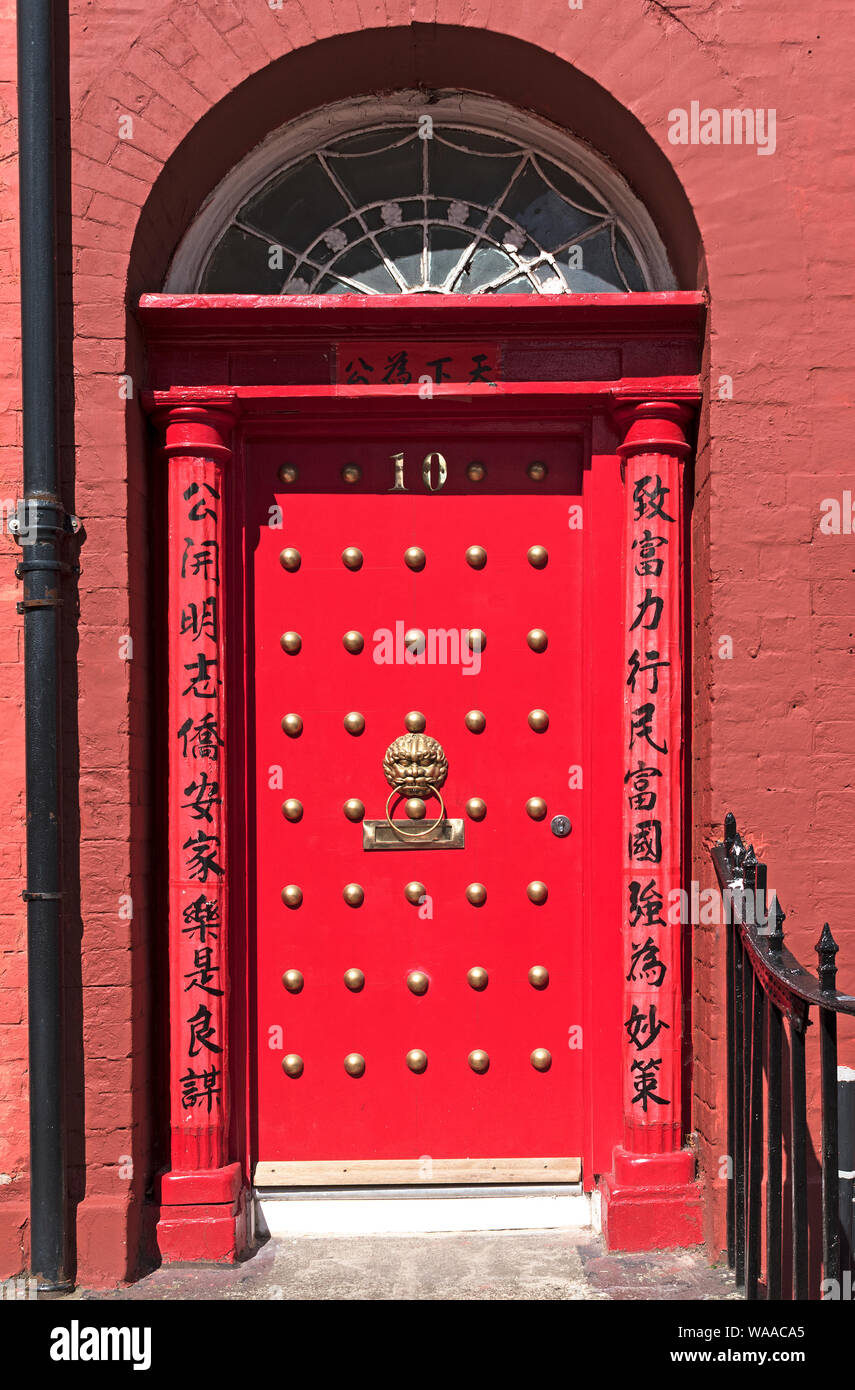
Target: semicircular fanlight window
(386, 211)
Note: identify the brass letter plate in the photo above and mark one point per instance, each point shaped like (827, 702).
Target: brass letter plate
(378, 834)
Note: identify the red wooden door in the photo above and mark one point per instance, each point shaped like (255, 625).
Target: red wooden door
(528, 1101)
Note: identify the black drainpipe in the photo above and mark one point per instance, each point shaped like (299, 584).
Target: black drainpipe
(39, 528)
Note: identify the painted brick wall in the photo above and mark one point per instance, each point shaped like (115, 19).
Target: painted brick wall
(773, 724)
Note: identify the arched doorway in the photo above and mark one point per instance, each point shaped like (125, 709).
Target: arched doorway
(426, 393)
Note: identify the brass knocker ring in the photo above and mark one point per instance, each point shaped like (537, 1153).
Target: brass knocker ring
(416, 834)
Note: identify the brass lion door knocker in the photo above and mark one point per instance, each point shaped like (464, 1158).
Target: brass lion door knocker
(415, 766)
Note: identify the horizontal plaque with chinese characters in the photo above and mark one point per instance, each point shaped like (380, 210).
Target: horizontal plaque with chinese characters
(415, 363)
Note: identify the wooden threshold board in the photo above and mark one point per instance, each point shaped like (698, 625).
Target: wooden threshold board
(370, 1172)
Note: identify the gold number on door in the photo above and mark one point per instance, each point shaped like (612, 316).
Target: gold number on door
(441, 472)
(398, 460)
(427, 472)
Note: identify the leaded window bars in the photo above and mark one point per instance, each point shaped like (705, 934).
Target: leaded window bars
(427, 206)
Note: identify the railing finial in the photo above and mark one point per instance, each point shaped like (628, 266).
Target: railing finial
(826, 948)
(729, 833)
(776, 935)
(749, 868)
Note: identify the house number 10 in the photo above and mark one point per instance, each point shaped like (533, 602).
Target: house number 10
(427, 465)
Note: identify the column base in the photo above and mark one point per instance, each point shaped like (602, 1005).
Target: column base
(651, 1202)
(203, 1216)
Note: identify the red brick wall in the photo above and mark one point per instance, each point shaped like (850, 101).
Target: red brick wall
(772, 726)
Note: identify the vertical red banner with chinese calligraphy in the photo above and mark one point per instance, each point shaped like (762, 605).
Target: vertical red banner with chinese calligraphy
(201, 1181)
(653, 454)
(650, 1198)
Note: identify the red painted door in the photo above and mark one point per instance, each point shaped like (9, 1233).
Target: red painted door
(520, 1014)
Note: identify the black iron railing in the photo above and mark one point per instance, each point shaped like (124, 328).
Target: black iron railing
(769, 1001)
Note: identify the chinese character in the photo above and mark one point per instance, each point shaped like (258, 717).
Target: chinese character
(201, 622)
(205, 794)
(642, 799)
(650, 663)
(480, 369)
(396, 372)
(200, 1088)
(204, 561)
(653, 601)
(649, 499)
(356, 374)
(201, 1032)
(646, 1083)
(204, 737)
(645, 842)
(202, 974)
(438, 363)
(651, 563)
(642, 727)
(202, 678)
(646, 965)
(199, 510)
(203, 916)
(645, 902)
(202, 861)
(643, 1027)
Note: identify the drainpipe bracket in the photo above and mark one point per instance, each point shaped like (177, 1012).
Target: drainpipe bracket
(42, 519)
(25, 605)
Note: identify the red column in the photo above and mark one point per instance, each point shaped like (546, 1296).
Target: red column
(203, 1207)
(650, 1199)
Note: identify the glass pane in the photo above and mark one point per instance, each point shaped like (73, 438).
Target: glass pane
(488, 263)
(295, 207)
(470, 177)
(569, 188)
(447, 247)
(628, 264)
(589, 267)
(363, 264)
(373, 178)
(403, 247)
(240, 264)
(546, 217)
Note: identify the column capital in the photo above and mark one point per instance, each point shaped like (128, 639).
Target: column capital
(194, 422)
(653, 427)
(195, 426)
